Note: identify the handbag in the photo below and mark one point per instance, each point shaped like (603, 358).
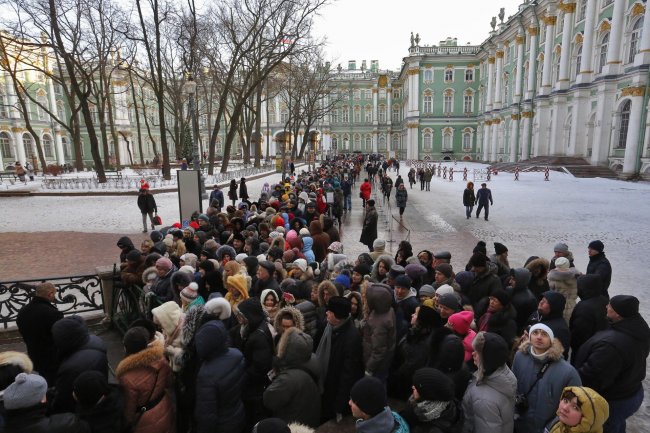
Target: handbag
(157, 221)
(360, 195)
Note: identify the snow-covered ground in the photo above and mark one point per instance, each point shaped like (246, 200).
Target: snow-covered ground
(529, 216)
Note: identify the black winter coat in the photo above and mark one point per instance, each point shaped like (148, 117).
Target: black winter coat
(33, 420)
(243, 191)
(105, 416)
(482, 286)
(613, 362)
(344, 369)
(219, 382)
(468, 197)
(79, 351)
(35, 322)
(232, 192)
(589, 315)
(449, 421)
(558, 325)
(599, 265)
(369, 231)
(503, 323)
(258, 353)
(147, 203)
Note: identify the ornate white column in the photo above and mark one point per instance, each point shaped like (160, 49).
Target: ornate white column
(495, 138)
(643, 56)
(526, 134)
(565, 55)
(514, 136)
(486, 139)
(375, 105)
(499, 78)
(490, 87)
(60, 157)
(634, 128)
(603, 128)
(20, 145)
(389, 107)
(550, 22)
(613, 65)
(519, 40)
(277, 111)
(532, 62)
(414, 92)
(585, 75)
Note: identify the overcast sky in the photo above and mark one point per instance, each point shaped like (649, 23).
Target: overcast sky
(381, 29)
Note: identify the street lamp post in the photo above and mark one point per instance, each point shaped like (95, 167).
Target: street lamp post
(190, 89)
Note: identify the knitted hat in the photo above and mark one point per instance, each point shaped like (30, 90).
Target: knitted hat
(304, 232)
(433, 385)
(445, 269)
(370, 202)
(301, 264)
(442, 255)
(500, 248)
(269, 266)
(271, 425)
(27, 390)
(369, 395)
(164, 263)
(478, 260)
(562, 263)
(204, 217)
(596, 245)
(191, 292)
(427, 290)
(561, 248)
(133, 255)
(340, 306)
(450, 300)
(362, 269)
(625, 305)
(464, 279)
(378, 244)
(481, 247)
(543, 327)
(403, 281)
(135, 339)
(343, 280)
(89, 387)
(415, 270)
(444, 290)
(556, 300)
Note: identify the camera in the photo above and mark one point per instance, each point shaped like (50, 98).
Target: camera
(521, 403)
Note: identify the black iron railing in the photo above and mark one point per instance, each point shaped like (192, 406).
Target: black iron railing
(75, 294)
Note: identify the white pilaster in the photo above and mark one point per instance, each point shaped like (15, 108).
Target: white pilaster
(514, 137)
(532, 63)
(602, 129)
(548, 55)
(499, 78)
(557, 144)
(494, 144)
(579, 118)
(490, 88)
(20, 148)
(613, 65)
(542, 138)
(643, 56)
(565, 54)
(375, 104)
(586, 73)
(389, 107)
(525, 135)
(486, 140)
(519, 40)
(633, 134)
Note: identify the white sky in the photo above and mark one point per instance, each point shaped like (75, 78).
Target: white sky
(380, 29)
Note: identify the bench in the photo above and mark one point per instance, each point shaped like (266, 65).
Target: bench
(11, 176)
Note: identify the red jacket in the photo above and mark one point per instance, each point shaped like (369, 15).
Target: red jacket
(365, 188)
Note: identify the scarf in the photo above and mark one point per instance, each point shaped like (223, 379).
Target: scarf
(323, 352)
(429, 410)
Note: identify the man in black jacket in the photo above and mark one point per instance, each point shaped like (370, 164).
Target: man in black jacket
(147, 205)
(599, 264)
(35, 322)
(339, 355)
(550, 312)
(589, 315)
(613, 362)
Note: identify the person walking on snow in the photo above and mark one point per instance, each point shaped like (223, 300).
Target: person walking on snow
(484, 200)
(401, 197)
(147, 205)
(468, 199)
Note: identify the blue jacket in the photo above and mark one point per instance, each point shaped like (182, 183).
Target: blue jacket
(483, 196)
(219, 382)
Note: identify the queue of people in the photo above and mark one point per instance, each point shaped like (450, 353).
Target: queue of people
(264, 323)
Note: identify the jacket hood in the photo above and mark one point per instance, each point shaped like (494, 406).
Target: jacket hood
(293, 239)
(322, 288)
(589, 286)
(296, 315)
(493, 353)
(594, 408)
(168, 315)
(637, 328)
(411, 294)
(70, 333)
(451, 354)
(503, 381)
(294, 348)
(538, 267)
(125, 242)
(379, 298)
(461, 321)
(554, 353)
(18, 359)
(557, 301)
(522, 279)
(211, 340)
(315, 228)
(145, 358)
(388, 260)
(307, 243)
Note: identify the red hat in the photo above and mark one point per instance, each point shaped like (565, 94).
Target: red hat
(143, 184)
(177, 225)
(194, 225)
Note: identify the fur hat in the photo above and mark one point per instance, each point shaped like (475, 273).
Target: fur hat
(493, 353)
(336, 247)
(27, 390)
(442, 255)
(218, 307)
(502, 296)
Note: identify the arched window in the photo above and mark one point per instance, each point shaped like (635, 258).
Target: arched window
(382, 142)
(368, 143)
(427, 140)
(582, 10)
(602, 52)
(346, 114)
(428, 75)
(557, 67)
(447, 136)
(334, 115)
(28, 143)
(624, 123)
(506, 88)
(382, 113)
(469, 75)
(367, 113)
(635, 37)
(448, 102)
(396, 113)
(468, 102)
(395, 144)
(357, 114)
(449, 75)
(467, 140)
(356, 94)
(4, 108)
(357, 142)
(48, 149)
(578, 62)
(66, 147)
(5, 145)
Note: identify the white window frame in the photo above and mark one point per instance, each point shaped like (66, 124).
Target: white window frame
(449, 75)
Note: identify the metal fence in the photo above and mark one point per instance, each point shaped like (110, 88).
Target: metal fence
(74, 295)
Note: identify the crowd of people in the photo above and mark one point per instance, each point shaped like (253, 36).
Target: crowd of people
(263, 323)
